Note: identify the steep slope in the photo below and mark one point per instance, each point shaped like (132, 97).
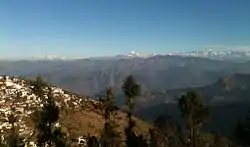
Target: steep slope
(231, 88)
(78, 115)
(223, 120)
(228, 89)
(228, 99)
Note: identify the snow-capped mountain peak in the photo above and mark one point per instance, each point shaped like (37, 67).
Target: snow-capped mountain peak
(49, 57)
(209, 53)
(134, 54)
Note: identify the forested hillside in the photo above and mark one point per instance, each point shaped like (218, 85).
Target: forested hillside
(37, 114)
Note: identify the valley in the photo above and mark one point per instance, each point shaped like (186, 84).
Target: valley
(124, 73)
(224, 87)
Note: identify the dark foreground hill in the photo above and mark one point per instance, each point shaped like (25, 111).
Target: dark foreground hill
(79, 116)
(223, 120)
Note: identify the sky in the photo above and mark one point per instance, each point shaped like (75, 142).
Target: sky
(84, 28)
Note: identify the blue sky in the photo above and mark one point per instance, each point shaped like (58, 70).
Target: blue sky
(80, 28)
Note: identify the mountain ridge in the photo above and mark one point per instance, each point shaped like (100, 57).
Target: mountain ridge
(79, 116)
(228, 100)
(232, 55)
(91, 76)
(228, 89)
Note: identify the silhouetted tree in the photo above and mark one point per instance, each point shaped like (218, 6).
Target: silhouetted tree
(38, 87)
(132, 90)
(110, 137)
(46, 118)
(13, 139)
(195, 113)
(165, 133)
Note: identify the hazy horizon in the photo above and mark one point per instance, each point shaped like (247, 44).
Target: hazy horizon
(92, 28)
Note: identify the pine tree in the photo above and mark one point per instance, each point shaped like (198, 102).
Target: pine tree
(132, 89)
(195, 113)
(47, 117)
(110, 137)
(13, 139)
(38, 87)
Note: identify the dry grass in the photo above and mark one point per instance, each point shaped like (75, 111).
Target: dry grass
(84, 121)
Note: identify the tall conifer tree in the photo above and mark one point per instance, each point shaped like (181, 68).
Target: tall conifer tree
(110, 135)
(47, 117)
(195, 113)
(131, 90)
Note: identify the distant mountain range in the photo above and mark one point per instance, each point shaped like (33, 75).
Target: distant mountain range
(134, 54)
(237, 55)
(48, 57)
(92, 76)
(207, 53)
(234, 55)
(223, 83)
